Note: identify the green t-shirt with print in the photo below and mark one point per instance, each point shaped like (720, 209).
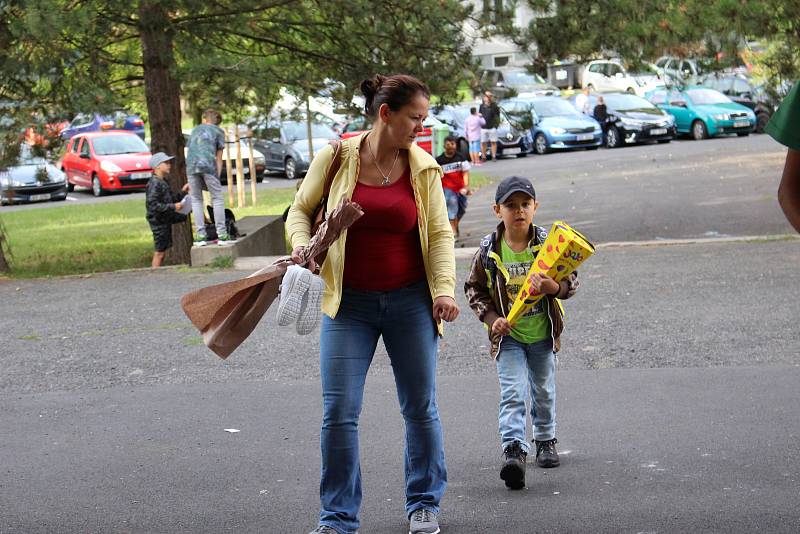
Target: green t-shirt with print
(535, 324)
(784, 126)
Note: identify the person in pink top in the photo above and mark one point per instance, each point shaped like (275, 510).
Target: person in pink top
(473, 126)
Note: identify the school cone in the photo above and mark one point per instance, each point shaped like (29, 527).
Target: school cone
(561, 254)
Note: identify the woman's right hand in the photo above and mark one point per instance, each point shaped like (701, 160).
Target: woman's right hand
(311, 265)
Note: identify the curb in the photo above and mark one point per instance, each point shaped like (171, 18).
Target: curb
(253, 263)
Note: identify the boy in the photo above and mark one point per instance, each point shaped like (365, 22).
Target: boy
(524, 352)
(163, 205)
(455, 181)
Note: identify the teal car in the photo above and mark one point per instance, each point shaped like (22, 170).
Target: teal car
(703, 112)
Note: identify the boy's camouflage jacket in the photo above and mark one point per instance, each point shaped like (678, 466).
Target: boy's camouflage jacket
(486, 291)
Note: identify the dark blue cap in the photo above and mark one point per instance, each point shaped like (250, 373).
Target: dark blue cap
(511, 185)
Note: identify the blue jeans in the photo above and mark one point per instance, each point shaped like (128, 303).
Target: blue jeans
(403, 317)
(451, 200)
(525, 371)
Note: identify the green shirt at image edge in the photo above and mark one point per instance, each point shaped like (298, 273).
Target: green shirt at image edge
(535, 324)
(784, 126)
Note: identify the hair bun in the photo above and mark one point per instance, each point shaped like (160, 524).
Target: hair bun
(369, 88)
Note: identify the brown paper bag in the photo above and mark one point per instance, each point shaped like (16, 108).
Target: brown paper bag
(226, 314)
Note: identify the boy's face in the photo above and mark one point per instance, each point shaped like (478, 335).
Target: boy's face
(162, 169)
(517, 211)
(449, 148)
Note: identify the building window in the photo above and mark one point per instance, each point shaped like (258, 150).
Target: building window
(494, 11)
(501, 61)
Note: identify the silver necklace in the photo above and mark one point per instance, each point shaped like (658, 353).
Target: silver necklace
(385, 175)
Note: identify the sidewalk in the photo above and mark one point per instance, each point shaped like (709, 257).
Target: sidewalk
(677, 408)
(659, 450)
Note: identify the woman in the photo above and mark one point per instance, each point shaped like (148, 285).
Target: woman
(391, 275)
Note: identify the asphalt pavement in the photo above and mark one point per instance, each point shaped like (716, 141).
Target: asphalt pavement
(677, 390)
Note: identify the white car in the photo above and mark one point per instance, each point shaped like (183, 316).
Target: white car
(608, 75)
(258, 158)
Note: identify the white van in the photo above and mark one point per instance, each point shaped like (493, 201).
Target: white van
(608, 75)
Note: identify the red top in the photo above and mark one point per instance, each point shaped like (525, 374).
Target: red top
(383, 251)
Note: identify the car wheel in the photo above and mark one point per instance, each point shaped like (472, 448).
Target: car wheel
(97, 187)
(662, 141)
(463, 148)
(290, 169)
(540, 144)
(70, 185)
(259, 178)
(699, 130)
(631, 90)
(761, 122)
(612, 138)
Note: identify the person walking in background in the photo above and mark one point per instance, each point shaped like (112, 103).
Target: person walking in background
(525, 351)
(582, 102)
(203, 167)
(455, 181)
(490, 112)
(473, 125)
(784, 127)
(391, 276)
(601, 115)
(163, 205)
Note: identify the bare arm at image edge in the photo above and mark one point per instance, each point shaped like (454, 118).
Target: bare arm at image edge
(789, 189)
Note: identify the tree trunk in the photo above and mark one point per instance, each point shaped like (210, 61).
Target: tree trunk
(4, 265)
(162, 93)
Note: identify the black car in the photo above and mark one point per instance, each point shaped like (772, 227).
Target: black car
(739, 89)
(633, 119)
(31, 179)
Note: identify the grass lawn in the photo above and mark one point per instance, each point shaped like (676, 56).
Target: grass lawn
(105, 236)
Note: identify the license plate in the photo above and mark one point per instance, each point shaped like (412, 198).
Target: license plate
(34, 198)
(139, 175)
(514, 150)
(584, 137)
(741, 124)
(658, 131)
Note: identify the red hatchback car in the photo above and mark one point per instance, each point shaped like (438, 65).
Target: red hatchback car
(107, 161)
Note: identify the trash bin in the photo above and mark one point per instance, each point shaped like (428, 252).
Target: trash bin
(439, 134)
(563, 75)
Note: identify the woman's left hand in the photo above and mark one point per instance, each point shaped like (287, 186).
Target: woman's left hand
(445, 308)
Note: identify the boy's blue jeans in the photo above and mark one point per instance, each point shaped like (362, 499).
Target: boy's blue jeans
(525, 371)
(347, 344)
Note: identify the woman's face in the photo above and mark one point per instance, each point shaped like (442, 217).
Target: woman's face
(403, 125)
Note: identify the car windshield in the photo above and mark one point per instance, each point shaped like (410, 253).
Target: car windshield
(299, 130)
(627, 102)
(461, 114)
(27, 156)
(707, 96)
(553, 108)
(523, 78)
(118, 144)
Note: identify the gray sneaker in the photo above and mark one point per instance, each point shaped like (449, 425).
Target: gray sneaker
(324, 529)
(423, 521)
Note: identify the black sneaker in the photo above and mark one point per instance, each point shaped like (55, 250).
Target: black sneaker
(513, 471)
(546, 455)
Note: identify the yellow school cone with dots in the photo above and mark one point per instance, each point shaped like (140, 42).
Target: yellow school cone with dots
(562, 252)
